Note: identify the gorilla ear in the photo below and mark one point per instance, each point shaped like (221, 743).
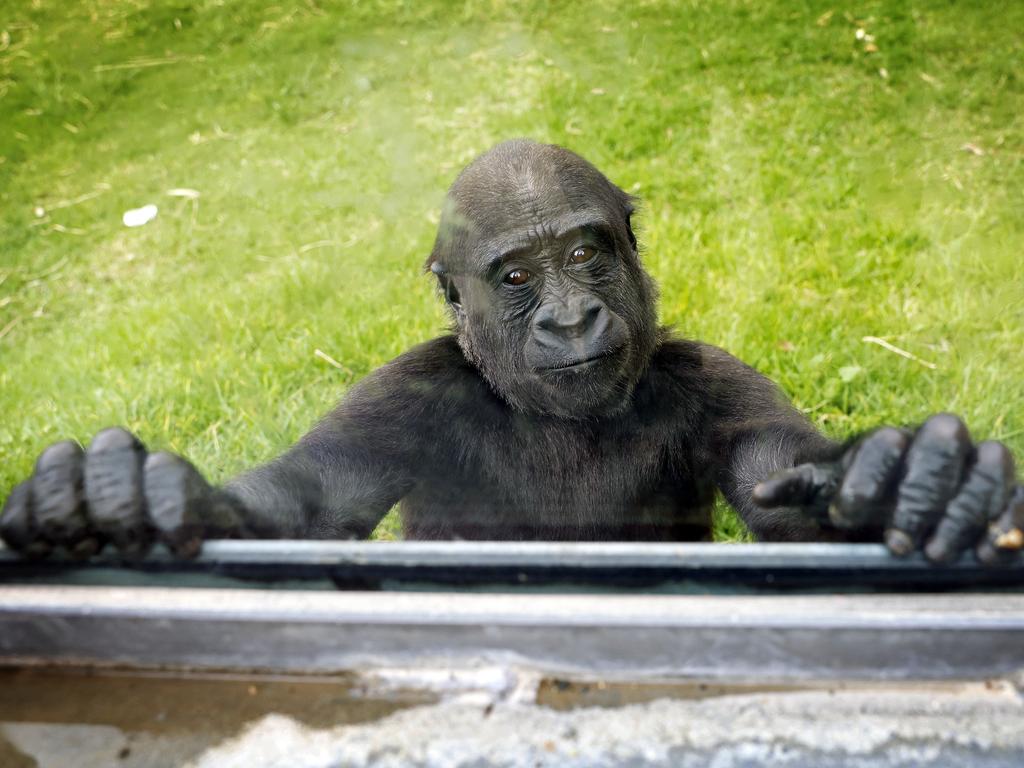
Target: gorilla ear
(628, 205)
(451, 293)
(629, 231)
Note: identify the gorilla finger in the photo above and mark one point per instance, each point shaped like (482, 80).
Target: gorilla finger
(934, 466)
(58, 502)
(806, 485)
(1005, 537)
(980, 499)
(867, 488)
(17, 525)
(176, 497)
(114, 492)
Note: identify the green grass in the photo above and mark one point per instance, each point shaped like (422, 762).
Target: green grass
(801, 192)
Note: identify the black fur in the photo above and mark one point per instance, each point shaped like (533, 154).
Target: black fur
(557, 409)
(476, 444)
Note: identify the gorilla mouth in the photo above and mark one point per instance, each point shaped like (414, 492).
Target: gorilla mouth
(580, 364)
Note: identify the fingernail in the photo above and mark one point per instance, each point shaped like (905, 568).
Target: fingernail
(1011, 539)
(84, 549)
(987, 554)
(898, 542)
(938, 551)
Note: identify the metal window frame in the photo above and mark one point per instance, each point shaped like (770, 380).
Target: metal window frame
(687, 568)
(603, 629)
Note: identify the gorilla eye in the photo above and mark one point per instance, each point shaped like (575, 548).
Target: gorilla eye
(582, 254)
(517, 277)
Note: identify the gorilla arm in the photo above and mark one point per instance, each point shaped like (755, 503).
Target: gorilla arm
(338, 481)
(341, 478)
(753, 434)
(929, 488)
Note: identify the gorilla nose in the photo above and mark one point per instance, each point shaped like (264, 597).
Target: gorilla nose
(584, 319)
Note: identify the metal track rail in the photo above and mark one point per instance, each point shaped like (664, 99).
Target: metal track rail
(539, 566)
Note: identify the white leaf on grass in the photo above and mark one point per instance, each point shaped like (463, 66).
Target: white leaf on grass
(849, 372)
(138, 217)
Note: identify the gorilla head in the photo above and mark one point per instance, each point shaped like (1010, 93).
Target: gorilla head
(537, 260)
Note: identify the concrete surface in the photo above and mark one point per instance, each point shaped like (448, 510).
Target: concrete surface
(816, 729)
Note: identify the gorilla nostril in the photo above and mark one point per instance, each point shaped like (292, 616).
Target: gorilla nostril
(591, 315)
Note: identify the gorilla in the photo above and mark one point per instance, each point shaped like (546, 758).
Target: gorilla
(556, 409)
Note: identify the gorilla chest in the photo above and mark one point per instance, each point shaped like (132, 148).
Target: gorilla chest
(537, 480)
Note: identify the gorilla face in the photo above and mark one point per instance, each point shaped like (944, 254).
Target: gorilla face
(536, 257)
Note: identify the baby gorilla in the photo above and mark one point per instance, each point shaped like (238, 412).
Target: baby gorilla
(557, 409)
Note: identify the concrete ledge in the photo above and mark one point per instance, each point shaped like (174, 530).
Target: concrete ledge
(872, 637)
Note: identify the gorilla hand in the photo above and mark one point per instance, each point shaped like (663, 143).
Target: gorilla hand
(930, 488)
(114, 492)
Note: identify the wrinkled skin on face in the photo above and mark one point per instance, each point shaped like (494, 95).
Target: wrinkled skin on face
(537, 260)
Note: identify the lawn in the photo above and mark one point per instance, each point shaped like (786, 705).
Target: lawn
(812, 175)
